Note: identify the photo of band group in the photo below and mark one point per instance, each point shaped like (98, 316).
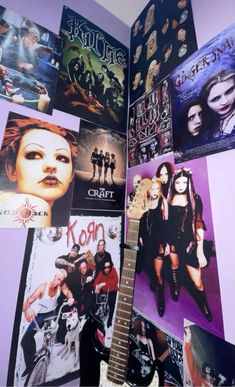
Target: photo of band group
(116, 194)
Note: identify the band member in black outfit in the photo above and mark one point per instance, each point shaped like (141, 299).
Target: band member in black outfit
(185, 236)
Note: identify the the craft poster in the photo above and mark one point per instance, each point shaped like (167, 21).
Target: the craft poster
(29, 62)
(93, 80)
(162, 37)
(37, 161)
(150, 129)
(101, 169)
(160, 362)
(208, 360)
(175, 234)
(62, 283)
(203, 99)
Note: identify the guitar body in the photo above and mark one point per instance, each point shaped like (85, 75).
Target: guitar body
(92, 352)
(94, 357)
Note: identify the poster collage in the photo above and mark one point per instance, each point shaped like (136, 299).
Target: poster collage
(67, 187)
(182, 108)
(75, 191)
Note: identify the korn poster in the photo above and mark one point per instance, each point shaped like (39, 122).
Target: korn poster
(150, 129)
(101, 169)
(55, 304)
(160, 362)
(162, 37)
(203, 99)
(208, 360)
(29, 62)
(93, 80)
(37, 161)
(176, 263)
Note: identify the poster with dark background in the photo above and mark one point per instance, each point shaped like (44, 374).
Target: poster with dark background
(101, 169)
(162, 37)
(150, 129)
(165, 355)
(203, 99)
(30, 59)
(93, 79)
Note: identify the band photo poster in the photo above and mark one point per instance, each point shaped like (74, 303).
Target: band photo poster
(160, 362)
(100, 172)
(203, 99)
(37, 161)
(208, 360)
(162, 37)
(54, 304)
(150, 128)
(176, 262)
(29, 62)
(93, 78)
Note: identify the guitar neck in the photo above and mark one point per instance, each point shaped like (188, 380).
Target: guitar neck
(120, 342)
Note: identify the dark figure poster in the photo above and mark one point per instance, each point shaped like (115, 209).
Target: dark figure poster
(29, 62)
(162, 37)
(176, 264)
(203, 99)
(100, 169)
(155, 356)
(92, 82)
(150, 129)
(37, 161)
(62, 286)
(208, 360)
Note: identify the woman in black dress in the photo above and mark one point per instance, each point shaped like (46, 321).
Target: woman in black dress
(151, 239)
(185, 236)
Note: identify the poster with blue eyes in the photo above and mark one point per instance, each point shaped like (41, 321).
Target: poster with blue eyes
(29, 62)
(176, 269)
(150, 129)
(203, 99)
(93, 78)
(54, 304)
(160, 362)
(37, 161)
(208, 360)
(162, 37)
(100, 169)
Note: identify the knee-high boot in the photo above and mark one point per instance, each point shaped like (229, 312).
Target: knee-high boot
(200, 298)
(160, 299)
(174, 286)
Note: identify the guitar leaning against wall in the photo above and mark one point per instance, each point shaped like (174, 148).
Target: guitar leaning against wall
(93, 351)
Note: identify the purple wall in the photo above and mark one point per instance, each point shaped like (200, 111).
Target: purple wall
(211, 17)
(48, 14)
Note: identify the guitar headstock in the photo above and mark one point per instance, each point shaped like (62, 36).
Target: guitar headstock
(139, 204)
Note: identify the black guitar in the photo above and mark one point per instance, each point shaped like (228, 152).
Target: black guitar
(92, 345)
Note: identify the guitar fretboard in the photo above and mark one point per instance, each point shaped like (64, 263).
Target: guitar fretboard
(120, 341)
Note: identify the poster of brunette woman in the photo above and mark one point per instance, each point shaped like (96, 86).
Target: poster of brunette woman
(100, 169)
(155, 356)
(162, 37)
(37, 162)
(81, 280)
(208, 360)
(203, 99)
(93, 76)
(150, 129)
(29, 62)
(176, 264)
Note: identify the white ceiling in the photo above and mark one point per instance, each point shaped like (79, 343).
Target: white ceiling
(125, 10)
